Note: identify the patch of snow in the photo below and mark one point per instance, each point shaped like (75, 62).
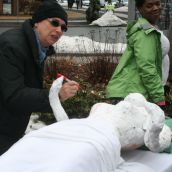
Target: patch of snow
(109, 19)
(78, 44)
(121, 9)
(34, 124)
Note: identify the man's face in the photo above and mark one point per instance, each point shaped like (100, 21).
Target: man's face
(50, 30)
(151, 10)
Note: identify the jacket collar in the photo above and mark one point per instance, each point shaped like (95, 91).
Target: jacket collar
(31, 37)
(140, 24)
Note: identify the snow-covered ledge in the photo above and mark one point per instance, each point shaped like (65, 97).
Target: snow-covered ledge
(109, 19)
(78, 44)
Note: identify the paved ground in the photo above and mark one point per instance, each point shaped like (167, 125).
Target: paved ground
(75, 16)
(77, 26)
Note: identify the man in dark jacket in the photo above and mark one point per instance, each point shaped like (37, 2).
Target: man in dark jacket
(22, 55)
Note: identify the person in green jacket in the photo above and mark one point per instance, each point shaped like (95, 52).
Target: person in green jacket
(140, 67)
(109, 6)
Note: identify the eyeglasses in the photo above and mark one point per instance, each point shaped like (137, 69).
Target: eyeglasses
(56, 23)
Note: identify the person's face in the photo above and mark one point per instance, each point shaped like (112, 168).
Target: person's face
(151, 10)
(50, 30)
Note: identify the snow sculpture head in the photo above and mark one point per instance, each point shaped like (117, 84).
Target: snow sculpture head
(155, 112)
(136, 99)
(136, 121)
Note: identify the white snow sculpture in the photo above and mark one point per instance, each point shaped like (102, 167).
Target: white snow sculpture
(55, 103)
(135, 120)
(91, 144)
(109, 19)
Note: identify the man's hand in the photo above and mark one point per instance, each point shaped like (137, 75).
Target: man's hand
(68, 90)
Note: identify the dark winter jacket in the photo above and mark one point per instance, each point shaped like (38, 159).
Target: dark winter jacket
(21, 82)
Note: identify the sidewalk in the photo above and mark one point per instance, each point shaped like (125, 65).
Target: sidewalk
(75, 17)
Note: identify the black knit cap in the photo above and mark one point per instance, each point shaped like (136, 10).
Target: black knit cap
(49, 9)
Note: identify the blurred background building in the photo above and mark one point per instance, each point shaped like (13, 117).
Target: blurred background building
(18, 7)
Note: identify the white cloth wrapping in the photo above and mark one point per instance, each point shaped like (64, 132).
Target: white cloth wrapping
(69, 146)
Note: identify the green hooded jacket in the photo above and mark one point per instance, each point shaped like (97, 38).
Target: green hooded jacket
(140, 67)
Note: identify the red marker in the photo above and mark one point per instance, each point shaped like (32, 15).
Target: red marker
(65, 78)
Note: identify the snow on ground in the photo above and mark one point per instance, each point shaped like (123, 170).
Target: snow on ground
(78, 44)
(34, 123)
(122, 9)
(109, 19)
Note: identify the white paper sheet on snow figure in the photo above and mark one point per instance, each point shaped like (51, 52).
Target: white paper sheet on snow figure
(78, 44)
(133, 167)
(77, 145)
(109, 19)
(160, 162)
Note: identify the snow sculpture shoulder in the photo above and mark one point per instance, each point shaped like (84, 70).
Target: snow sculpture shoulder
(135, 120)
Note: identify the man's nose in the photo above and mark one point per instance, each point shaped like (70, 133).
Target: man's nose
(59, 29)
